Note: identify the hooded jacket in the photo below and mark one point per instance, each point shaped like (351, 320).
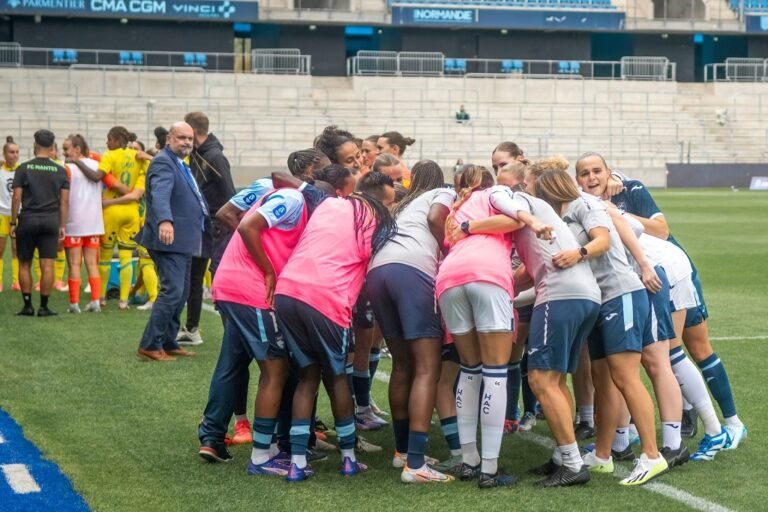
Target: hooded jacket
(211, 171)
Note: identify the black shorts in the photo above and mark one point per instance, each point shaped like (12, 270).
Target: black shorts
(39, 232)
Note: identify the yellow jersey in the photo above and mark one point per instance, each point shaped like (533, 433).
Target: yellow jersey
(125, 167)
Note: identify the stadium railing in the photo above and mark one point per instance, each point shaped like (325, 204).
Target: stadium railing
(647, 68)
(10, 54)
(737, 70)
(280, 61)
(537, 4)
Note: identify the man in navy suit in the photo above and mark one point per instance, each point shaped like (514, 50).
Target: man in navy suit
(175, 220)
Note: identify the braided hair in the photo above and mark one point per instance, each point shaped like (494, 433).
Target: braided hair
(426, 175)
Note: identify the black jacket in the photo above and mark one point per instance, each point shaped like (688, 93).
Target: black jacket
(211, 171)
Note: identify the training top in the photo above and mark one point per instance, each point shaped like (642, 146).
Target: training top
(414, 245)
(84, 218)
(478, 257)
(42, 181)
(6, 189)
(550, 282)
(327, 269)
(238, 278)
(248, 196)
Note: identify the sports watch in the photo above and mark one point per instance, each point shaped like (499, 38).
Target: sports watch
(584, 253)
(465, 227)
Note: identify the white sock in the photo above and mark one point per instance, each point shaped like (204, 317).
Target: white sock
(633, 430)
(455, 452)
(241, 417)
(467, 405)
(260, 455)
(493, 409)
(586, 413)
(299, 460)
(695, 392)
(621, 439)
(686, 404)
(557, 456)
(671, 434)
(571, 456)
(734, 421)
(348, 453)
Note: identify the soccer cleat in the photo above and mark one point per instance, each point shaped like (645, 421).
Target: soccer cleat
(242, 433)
(511, 426)
(547, 469)
(735, 436)
(322, 427)
(315, 455)
(351, 467)
(597, 466)
(283, 458)
(689, 426)
(271, 467)
(93, 307)
(399, 460)
(450, 465)
(191, 337)
(214, 452)
(467, 472)
(324, 445)
(565, 477)
(147, 306)
(363, 446)
(46, 312)
(583, 431)
(646, 470)
(369, 415)
(26, 311)
(423, 475)
(500, 479)
(364, 422)
(710, 446)
(103, 302)
(676, 457)
(376, 409)
(74, 308)
(528, 422)
(60, 286)
(623, 456)
(123, 305)
(297, 474)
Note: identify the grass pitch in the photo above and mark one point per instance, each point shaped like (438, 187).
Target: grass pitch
(125, 431)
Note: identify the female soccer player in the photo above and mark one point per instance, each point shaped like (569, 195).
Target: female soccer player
(85, 225)
(370, 151)
(401, 283)
(7, 172)
(593, 175)
(314, 298)
(340, 147)
(506, 153)
(615, 343)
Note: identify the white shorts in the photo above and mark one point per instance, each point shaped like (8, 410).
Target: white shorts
(683, 295)
(482, 306)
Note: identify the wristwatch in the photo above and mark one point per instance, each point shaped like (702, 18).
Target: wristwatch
(584, 253)
(465, 227)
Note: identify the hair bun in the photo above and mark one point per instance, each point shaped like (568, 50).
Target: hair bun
(9, 139)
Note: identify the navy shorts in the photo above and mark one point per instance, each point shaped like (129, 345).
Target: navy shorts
(255, 329)
(524, 314)
(450, 353)
(621, 326)
(404, 302)
(697, 315)
(362, 311)
(310, 337)
(662, 327)
(558, 330)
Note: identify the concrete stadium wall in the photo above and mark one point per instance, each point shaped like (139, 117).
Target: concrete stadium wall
(713, 175)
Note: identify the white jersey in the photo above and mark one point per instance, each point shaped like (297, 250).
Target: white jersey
(6, 190)
(674, 260)
(85, 216)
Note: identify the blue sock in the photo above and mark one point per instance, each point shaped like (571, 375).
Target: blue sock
(263, 432)
(719, 385)
(299, 436)
(513, 390)
(416, 443)
(400, 428)
(348, 370)
(450, 430)
(529, 398)
(373, 361)
(361, 381)
(345, 430)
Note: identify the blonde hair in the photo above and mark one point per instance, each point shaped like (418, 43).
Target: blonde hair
(473, 177)
(516, 170)
(556, 187)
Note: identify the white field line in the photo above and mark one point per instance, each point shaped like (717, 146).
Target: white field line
(2, 439)
(734, 338)
(19, 478)
(209, 308)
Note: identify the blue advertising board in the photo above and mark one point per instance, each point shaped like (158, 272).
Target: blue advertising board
(757, 24)
(206, 10)
(498, 18)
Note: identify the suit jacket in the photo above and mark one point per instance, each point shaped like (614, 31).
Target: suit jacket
(170, 196)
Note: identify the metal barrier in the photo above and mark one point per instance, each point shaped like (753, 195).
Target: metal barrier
(748, 70)
(281, 61)
(647, 68)
(375, 63)
(420, 63)
(10, 54)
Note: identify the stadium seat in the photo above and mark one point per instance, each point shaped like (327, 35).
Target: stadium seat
(506, 66)
(563, 67)
(189, 59)
(575, 67)
(125, 57)
(201, 60)
(517, 66)
(58, 56)
(449, 65)
(461, 65)
(137, 58)
(71, 56)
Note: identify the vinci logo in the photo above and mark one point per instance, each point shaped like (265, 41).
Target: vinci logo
(206, 10)
(444, 15)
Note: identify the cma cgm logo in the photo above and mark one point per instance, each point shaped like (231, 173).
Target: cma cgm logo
(444, 15)
(129, 6)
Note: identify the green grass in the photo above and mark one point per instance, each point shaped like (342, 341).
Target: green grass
(125, 431)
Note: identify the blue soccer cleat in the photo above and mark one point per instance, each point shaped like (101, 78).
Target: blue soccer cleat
(271, 467)
(297, 474)
(350, 467)
(710, 446)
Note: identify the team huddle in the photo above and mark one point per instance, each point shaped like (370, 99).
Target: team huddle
(502, 283)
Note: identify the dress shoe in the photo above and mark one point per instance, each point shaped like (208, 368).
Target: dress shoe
(26, 311)
(154, 355)
(180, 352)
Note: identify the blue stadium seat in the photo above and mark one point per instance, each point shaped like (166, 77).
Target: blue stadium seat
(461, 65)
(563, 67)
(137, 58)
(189, 59)
(71, 56)
(125, 57)
(449, 65)
(517, 66)
(575, 67)
(506, 66)
(58, 56)
(201, 59)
